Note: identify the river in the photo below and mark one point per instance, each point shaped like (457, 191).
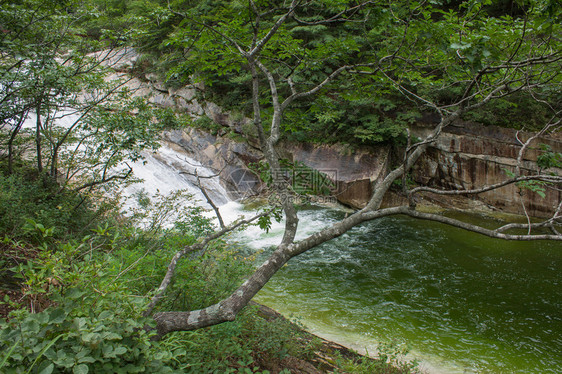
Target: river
(461, 302)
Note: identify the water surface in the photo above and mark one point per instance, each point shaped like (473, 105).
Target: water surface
(461, 301)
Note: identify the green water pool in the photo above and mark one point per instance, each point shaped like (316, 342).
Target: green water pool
(462, 302)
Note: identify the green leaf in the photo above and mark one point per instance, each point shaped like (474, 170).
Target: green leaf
(57, 316)
(75, 293)
(541, 193)
(48, 369)
(120, 351)
(51, 343)
(8, 354)
(80, 369)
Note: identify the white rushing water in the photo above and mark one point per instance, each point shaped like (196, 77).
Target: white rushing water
(159, 173)
(63, 118)
(168, 171)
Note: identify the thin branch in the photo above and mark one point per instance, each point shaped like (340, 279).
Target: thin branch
(200, 245)
(337, 17)
(105, 180)
(476, 228)
(207, 197)
(543, 178)
(273, 30)
(322, 84)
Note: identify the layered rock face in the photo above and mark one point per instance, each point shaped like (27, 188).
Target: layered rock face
(469, 155)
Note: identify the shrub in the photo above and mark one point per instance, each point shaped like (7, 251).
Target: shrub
(26, 197)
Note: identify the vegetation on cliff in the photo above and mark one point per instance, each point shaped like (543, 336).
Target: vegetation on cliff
(439, 45)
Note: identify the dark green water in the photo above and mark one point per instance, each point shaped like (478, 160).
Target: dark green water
(461, 301)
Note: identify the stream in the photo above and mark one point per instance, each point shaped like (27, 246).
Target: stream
(460, 302)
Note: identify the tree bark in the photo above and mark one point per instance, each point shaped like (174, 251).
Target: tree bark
(15, 132)
(38, 138)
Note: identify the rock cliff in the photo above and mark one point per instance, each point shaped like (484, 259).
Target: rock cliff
(469, 155)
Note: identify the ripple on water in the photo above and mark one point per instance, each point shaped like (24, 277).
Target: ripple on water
(458, 299)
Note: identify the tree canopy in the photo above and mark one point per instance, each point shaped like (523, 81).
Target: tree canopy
(408, 58)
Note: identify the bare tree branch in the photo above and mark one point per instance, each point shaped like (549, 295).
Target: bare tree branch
(542, 178)
(477, 229)
(206, 195)
(104, 180)
(200, 245)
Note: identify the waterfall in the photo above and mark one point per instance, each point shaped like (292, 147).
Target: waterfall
(64, 118)
(167, 171)
(163, 172)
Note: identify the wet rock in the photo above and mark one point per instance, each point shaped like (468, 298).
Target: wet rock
(230, 159)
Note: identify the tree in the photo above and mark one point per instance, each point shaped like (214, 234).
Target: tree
(84, 124)
(448, 61)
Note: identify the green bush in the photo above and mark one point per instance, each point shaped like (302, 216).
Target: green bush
(94, 323)
(207, 124)
(27, 197)
(84, 333)
(97, 288)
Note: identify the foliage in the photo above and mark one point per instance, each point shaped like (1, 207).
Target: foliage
(114, 20)
(548, 158)
(58, 94)
(84, 333)
(390, 360)
(24, 200)
(96, 322)
(207, 124)
(243, 346)
(428, 48)
(520, 111)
